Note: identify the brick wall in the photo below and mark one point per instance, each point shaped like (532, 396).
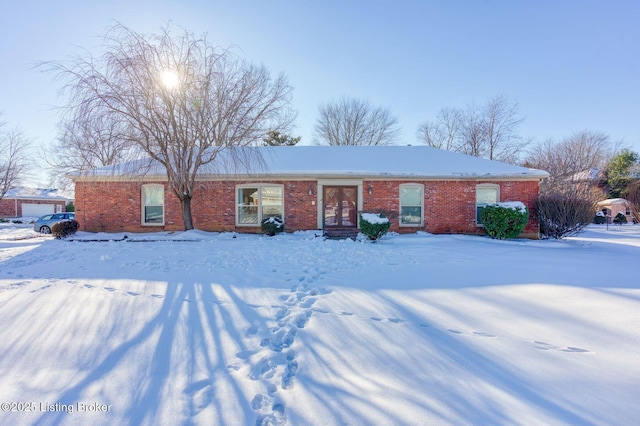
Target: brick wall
(116, 206)
(449, 206)
(8, 206)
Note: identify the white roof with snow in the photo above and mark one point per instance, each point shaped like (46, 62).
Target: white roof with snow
(342, 161)
(38, 194)
(613, 201)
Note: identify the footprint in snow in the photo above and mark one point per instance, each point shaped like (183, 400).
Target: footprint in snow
(572, 349)
(201, 395)
(483, 334)
(302, 319)
(290, 370)
(549, 347)
(41, 288)
(264, 369)
(308, 302)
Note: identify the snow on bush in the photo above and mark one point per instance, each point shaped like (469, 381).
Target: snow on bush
(600, 218)
(272, 225)
(620, 218)
(374, 225)
(505, 220)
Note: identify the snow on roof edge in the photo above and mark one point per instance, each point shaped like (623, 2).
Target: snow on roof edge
(342, 161)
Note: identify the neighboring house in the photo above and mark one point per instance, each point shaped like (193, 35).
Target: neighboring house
(33, 202)
(613, 206)
(311, 188)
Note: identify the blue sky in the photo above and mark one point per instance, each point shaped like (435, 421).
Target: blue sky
(571, 65)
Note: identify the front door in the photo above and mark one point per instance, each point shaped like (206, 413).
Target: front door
(340, 206)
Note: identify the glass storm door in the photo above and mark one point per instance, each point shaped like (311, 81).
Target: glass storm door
(340, 206)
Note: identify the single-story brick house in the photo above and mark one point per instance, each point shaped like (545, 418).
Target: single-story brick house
(33, 202)
(612, 206)
(311, 188)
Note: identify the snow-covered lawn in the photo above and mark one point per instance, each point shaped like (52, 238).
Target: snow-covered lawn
(198, 328)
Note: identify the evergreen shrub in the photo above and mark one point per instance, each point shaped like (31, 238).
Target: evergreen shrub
(504, 220)
(600, 218)
(272, 225)
(374, 225)
(620, 218)
(65, 228)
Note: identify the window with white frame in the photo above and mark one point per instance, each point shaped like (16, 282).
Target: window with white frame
(486, 193)
(411, 204)
(257, 202)
(153, 204)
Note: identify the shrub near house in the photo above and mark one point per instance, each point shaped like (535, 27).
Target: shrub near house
(374, 225)
(505, 220)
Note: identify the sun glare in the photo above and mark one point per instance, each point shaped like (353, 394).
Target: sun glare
(169, 79)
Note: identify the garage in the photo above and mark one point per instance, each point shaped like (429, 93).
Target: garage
(37, 210)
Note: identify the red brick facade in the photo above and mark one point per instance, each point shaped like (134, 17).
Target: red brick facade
(12, 207)
(449, 206)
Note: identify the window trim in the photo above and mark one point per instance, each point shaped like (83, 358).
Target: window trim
(259, 187)
(485, 186)
(144, 204)
(411, 185)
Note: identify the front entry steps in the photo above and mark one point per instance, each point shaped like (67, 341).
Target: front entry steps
(341, 233)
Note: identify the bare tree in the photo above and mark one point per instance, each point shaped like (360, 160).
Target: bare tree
(573, 164)
(350, 121)
(444, 132)
(84, 145)
(14, 158)
(180, 99)
(580, 152)
(501, 122)
(472, 133)
(489, 130)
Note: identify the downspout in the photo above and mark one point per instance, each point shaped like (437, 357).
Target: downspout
(16, 208)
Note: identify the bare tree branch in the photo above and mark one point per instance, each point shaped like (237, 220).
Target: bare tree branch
(178, 98)
(444, 133)
(489, 130)
(14, 158)
(350, 121)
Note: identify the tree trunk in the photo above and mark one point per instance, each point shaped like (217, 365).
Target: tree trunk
(185, 203)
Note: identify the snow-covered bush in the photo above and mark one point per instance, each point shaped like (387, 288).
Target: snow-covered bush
(505, 220)
(65, 228)
(620, 218)
(600, 218)
(563, 215)
(272, 225)
(374, 225)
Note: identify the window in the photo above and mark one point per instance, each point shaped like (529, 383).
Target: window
(486, 193)
(153, 204)
(257, 202)
(411, 204)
